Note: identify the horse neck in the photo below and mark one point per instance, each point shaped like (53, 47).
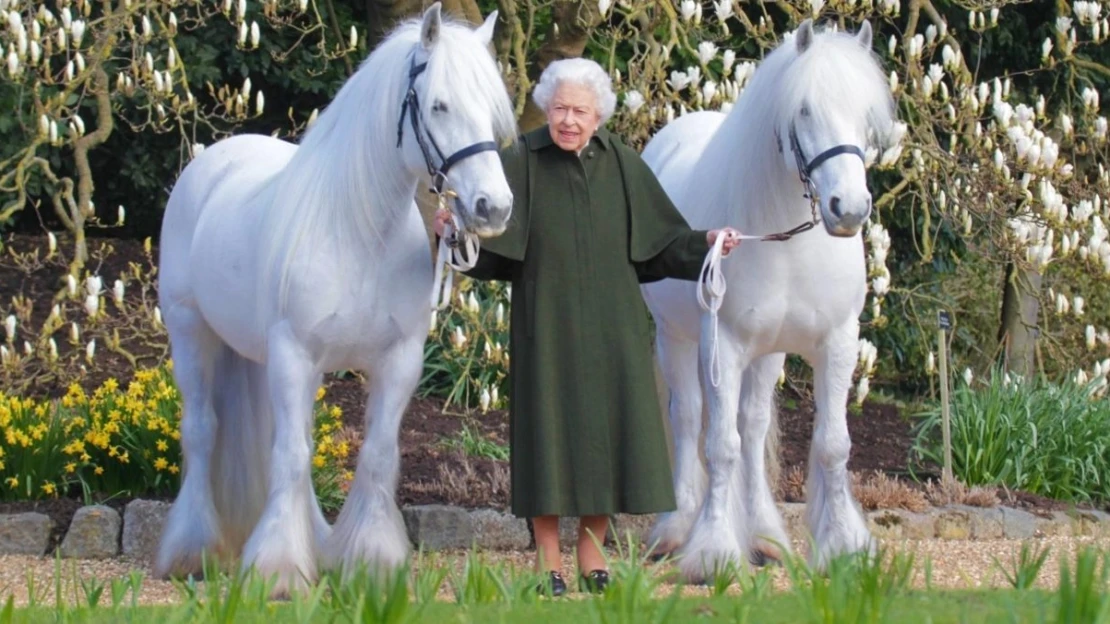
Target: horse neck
(760, 195)
(364, 186)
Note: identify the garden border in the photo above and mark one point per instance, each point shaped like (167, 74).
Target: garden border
(99, 532)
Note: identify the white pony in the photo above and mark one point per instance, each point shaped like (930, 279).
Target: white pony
(799, 129)
(281, 263)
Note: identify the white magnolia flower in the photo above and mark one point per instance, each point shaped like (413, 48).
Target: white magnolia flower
(707, 51)
(9, 327)
(1090, 336)
(968, 377)
(633, 100)
(687, 9)
(862, 390)
(678, 80)
(728, 58)
(117, 292)
(90, 350)
(709, 91)
(93, 285)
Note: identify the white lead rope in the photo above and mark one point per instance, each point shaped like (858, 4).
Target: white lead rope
(461, 258)
(713, 280)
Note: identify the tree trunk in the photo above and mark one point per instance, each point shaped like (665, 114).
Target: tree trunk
(574, 21)
(383, 15)
(1020, 309)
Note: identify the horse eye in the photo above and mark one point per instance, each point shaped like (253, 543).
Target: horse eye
(805, 111)
(439, 107)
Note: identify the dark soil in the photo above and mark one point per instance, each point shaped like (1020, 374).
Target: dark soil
(432, 471)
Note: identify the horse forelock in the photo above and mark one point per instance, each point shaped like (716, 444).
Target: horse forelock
(835, 77)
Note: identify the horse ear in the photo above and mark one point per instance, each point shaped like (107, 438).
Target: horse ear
(485, 31)
(864, 35)
(804, 36)
(429, 29)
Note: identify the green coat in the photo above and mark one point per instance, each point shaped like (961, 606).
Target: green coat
(586, 434)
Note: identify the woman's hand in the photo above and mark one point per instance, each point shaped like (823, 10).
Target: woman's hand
(443, 216)
(732, 239)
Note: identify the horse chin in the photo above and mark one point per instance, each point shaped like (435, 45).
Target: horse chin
(487, 231)
(839, 230)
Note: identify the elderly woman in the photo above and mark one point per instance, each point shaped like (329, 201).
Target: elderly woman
(590, 224)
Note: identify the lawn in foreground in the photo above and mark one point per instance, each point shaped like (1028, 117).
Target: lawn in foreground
(852, 589)
(917, 606)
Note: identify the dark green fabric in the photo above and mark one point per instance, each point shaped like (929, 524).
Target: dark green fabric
(587, 435)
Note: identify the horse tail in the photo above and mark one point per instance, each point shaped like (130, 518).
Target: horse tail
(241, 454)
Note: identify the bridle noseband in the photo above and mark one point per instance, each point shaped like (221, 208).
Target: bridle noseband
(412, 105)
(805, 171)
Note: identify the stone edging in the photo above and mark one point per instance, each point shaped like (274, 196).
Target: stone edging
(98, 531)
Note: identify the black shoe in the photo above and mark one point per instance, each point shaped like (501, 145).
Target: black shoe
(595, 582)
(555, 586)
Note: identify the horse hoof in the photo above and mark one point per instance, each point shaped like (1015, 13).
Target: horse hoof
(763, 558)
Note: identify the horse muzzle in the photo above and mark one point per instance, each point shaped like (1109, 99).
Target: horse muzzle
(842, 221)
(485, 217)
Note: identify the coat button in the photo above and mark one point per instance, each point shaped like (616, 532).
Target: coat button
(590, 154)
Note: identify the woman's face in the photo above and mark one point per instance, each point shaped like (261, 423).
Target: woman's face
(573, 116)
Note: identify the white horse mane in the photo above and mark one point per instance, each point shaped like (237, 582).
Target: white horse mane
(835, 77)
(341, 182)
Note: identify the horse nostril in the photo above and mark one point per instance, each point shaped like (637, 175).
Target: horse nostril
(482, 207)
(834, 207)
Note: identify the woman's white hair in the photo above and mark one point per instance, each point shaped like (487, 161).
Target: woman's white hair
(577, 71)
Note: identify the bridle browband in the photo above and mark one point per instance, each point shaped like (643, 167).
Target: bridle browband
(412, 105)
(805, 171)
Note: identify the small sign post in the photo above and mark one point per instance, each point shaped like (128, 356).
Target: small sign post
(945, 323)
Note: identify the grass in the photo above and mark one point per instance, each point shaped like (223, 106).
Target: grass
(855, 589)
(936, 607)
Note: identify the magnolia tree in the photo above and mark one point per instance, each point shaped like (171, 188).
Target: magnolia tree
(77, 71)
(991, 198)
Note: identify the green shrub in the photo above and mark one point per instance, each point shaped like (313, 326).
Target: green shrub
(467, 353)
(1032, 435)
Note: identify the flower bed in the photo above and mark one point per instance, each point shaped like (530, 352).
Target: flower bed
(118, 441)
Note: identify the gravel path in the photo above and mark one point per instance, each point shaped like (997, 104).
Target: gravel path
(955, 564)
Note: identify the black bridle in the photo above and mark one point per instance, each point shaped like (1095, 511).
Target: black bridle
(805, 172)
(412, 105)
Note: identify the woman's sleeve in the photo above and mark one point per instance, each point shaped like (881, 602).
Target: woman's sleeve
(492, 267)
(682, 258)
